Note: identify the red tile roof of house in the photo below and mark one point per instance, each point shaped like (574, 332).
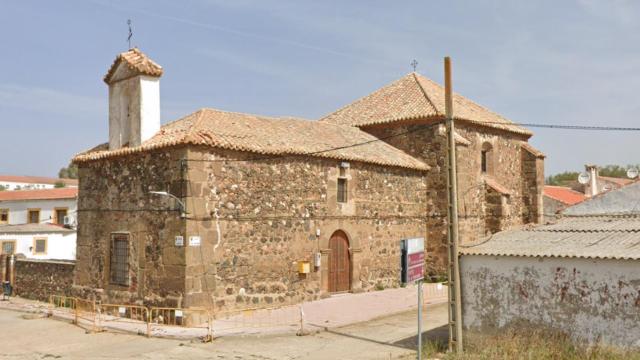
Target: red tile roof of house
(42, 194)
(415, 97)
(37, 180)
(136, 61)
(268, 136)
(564, 194)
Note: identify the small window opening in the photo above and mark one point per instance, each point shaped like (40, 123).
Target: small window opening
(342, 190)
(119, 259)
(40, 246)
(483, 164)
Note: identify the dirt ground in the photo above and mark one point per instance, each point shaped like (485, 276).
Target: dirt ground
(25, 336)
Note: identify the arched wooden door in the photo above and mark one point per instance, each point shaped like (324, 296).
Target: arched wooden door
(339, 263)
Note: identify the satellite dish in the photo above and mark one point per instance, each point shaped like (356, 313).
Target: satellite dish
(584, 178)
(632, 173)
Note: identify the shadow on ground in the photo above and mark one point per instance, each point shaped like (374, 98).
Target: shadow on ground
(437, 335)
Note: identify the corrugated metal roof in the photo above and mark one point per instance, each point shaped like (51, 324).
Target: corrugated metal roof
(597, 237)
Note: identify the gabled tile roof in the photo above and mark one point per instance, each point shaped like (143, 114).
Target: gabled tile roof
(137, 61)
(41, 194)
(594, 237)
(37, 180)
(415, 97)
(269, 136)
(563, 194)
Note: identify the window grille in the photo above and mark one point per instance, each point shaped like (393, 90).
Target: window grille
(8, 247)
(119, 259)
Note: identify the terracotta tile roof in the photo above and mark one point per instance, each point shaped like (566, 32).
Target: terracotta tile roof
(535, 152)
(492, 183)
(37, 180)
(137, 61)
(269, 136)
(42, 194)
(563, 194)
(415, 97)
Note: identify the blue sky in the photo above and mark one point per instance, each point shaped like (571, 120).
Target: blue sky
(546, 62)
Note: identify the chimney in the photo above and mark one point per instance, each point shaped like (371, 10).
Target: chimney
(592, 170)
(134, 99)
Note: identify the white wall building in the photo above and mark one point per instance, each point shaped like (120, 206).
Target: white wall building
(580, 275)
(39, 224)
(14, 182)
(49, 206)
(38, 241)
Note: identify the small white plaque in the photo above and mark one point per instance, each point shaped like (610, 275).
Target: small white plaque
(122, 310)
(178, 313)
(194, 241)
(179, 241)
(439, 286)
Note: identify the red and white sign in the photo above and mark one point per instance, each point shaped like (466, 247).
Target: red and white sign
(413, 263)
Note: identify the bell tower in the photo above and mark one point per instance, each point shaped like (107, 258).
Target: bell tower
(134, 99)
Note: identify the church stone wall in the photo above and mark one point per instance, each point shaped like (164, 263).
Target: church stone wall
(255, 220)
(258, 218)
(480, 211)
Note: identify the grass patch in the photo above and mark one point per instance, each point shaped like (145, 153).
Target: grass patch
(529, 344)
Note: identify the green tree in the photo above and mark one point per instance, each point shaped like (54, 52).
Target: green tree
(562, 179)
(69, 172)
(59, 184)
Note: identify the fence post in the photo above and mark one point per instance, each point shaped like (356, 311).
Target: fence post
(75, 308)
(149, 313)
(301, 331)
(209, 327)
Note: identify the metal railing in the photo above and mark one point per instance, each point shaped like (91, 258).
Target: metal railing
(152, 321)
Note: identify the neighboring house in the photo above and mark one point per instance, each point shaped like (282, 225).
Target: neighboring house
(49, 206)
(14, 182)
(38, 241)
(281, 210)
(598, 184)
(39, 223)
(579, 275)
(558, 198)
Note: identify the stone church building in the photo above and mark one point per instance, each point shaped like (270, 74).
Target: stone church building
(231, 210)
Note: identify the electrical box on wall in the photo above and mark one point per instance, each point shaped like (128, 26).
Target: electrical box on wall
(304, 267)
(317, 259)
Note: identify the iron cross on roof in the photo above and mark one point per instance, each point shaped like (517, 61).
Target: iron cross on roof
(414, 64)
(130, 33)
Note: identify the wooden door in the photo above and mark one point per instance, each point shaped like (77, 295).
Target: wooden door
(339, 263)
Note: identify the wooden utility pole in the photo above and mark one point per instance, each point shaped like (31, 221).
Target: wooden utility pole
(453, 270)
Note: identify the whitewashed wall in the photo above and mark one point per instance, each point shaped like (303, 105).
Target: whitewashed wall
(18, 210)
(60, 246)
(591, 300)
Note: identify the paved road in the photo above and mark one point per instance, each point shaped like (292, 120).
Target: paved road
(390, 337)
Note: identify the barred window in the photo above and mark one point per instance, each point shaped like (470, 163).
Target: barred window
(119, 264)
(9, 247)
(342, 190)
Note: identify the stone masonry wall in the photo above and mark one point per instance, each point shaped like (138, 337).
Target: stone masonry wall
(258, 218)
(38, 279)
(114, 197)
(506, 167)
